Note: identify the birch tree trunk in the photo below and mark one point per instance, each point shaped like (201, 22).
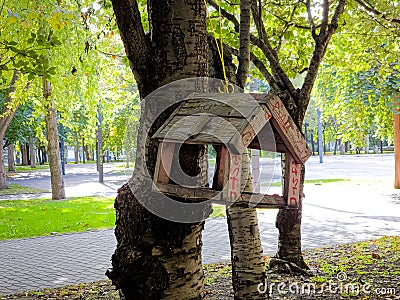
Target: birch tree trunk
(157, 258)
(53, 145)
(11, 154)
(246, 251)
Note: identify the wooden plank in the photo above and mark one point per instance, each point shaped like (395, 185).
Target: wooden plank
(256, 124)
(197, 194)
(216, 131)
(197, 127)
(158, 162)
(223, 170)
(164, 162)
(259, 121)
(291, 190)
(288, 130)
(262, 98)
(236, 105)
(168, 121)
(235, 171)
(203, 194)
(260, 200)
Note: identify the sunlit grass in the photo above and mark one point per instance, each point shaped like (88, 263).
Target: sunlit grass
(14, 189)
(218, 211)
(29, 218)
(28, 168)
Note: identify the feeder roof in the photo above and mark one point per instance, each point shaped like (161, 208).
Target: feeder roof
(235, 120)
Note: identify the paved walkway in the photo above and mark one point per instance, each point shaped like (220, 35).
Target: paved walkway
(333, 213)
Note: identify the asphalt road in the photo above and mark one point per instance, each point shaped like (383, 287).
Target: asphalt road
(83, 179)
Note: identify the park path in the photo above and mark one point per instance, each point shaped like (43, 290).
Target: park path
(365, 207)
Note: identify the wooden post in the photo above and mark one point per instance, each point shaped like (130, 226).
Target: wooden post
(292, 181)
(222, 168)
(164, 162)
(235, 172)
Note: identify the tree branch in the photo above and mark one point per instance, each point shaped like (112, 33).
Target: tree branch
(321, 45)
(259, 65)
(244, 39)
(8, 109)
(264, 71)
(336, 16)
(2, 6)
(299, 26)
(374, 11)
(226, 15)
(288, 24)
(263, 43)
(311, 20)
(132, 34)
(325, 18)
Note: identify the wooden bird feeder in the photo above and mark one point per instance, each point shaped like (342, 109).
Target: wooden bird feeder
(233, 124)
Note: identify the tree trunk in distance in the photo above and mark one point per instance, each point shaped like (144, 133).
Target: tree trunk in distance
(53, 145)
(396, 129)
(32, 153)
(11, 153)
(346, 147)
(92, 152)
(342, 149)
(24, 153)
(41, 155)
(76, 150)
(86, 153)
(336, 146)
(367, 144)
(312, 144)
(7, 113)
(3, 183)
(66, 154)
(45, 155)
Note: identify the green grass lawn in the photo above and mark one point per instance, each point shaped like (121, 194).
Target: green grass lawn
(28, 168)
(219, 211)
(29, 218)
(15, 189)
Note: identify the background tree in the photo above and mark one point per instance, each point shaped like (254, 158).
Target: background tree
(289, 39)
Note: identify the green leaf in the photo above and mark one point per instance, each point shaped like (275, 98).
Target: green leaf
(31, 76)
(51, 71)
